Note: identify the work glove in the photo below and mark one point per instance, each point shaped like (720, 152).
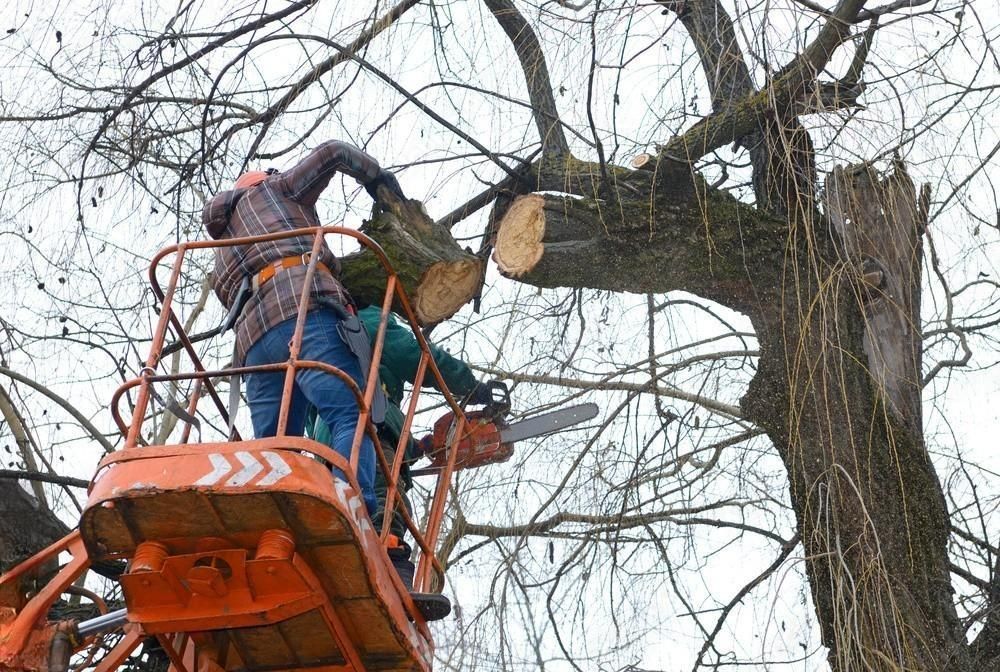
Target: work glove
(387, 178)
(425, 444)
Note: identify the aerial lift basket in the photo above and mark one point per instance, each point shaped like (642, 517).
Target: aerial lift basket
(239, 554)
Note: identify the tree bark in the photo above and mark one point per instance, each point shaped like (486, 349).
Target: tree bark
(837, 388)
(438, 275)
(868, 503)
(25, 528)
(880, 224)
(675, 233)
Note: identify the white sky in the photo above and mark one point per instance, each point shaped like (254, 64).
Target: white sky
(659, 93)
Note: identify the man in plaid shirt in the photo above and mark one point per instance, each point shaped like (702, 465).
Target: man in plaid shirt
(269, 202)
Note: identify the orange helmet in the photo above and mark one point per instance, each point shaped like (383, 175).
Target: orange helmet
(252, 178)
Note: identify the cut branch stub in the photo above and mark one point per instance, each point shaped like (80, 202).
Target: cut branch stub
(438, 275)
(697, 240)
(519, 237)
(641, 160)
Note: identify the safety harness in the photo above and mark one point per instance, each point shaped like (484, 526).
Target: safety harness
(269, 271)
(349, 327)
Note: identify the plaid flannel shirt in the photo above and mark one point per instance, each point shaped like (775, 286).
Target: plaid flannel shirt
(282, 202)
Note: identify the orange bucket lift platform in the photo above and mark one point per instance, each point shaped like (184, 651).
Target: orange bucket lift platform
(241, 554)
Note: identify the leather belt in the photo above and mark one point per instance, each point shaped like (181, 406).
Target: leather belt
(269, 271)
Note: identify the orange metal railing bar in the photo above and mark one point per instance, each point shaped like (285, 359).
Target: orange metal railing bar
(142, 400)
(176, 659)
(113, 660)
(296, 345)
(192, 408)
(436, 514)
(400, 454)
(168, 317)
(36, 608)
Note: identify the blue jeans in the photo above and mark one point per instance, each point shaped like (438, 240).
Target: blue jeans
(334, 402)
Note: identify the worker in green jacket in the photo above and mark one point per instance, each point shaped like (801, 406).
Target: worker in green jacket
(400, 359)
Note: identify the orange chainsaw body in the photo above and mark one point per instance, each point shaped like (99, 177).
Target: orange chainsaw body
(479, 444)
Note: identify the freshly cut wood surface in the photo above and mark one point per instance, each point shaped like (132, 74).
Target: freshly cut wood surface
(519, 236)
(438, 275)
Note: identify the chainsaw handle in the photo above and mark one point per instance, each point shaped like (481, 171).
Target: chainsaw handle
(499, 405)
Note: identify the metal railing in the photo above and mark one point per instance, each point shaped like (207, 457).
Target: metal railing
(203, 379)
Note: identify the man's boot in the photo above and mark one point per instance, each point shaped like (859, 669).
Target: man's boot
(432, 606)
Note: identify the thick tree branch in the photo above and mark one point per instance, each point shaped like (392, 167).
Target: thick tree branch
(741, 118)
(868, 14)
(682, 235)
(439, 276)
(711, 30)
(536, 75)
(780, 151)
(25, 443)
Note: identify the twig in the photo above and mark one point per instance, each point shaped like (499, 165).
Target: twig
(786, 550)
(68, 407)
(44, 478)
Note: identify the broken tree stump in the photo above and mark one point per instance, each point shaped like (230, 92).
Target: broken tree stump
(438, 275)
(881, 219)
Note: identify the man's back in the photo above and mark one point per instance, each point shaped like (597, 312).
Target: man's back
(282, 202)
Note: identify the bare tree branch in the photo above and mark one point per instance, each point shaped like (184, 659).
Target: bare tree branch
(137, 90)
(742, 117)
(536, 75)
(38, 477)
(24, 442)
(65, 405)
(267, 117)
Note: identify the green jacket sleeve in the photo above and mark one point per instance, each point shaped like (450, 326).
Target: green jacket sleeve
(316, 429)
(401, 356)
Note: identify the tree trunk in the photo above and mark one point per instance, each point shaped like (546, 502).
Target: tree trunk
(838, 391)
(437, 274)
(25, 528)
(837, 388)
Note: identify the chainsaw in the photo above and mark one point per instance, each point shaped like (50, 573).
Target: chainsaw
(487, 438)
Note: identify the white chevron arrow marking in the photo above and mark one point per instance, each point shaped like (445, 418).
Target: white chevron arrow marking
(251, 468)
(220, 467)
(279, 468)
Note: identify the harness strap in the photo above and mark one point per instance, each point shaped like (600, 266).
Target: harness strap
(352, 332)
(269, 271)
(234, 402)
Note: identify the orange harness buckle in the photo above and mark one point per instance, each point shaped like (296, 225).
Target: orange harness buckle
(269, 271)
